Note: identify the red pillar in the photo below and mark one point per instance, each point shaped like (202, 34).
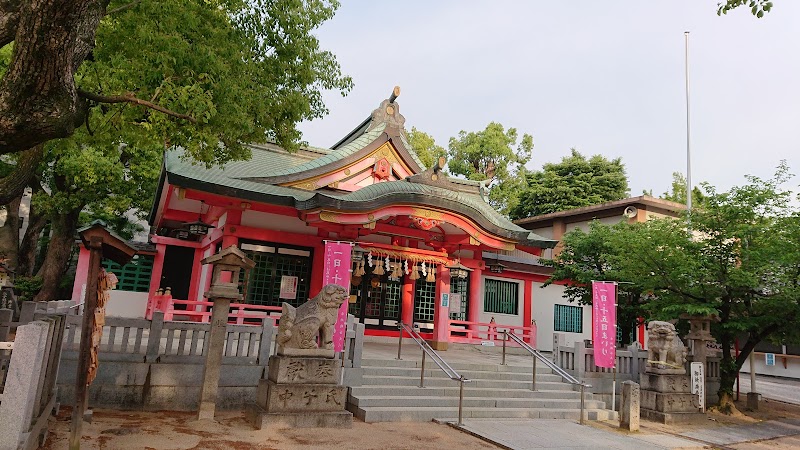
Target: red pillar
(407, 298)
(158, 268)
(528, 305)
(475, 296)
(317, 270)
(441, 314)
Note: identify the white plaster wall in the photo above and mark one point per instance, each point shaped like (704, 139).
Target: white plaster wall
(545, 232)
(544, 301)
(504, 319)
(792, 369)
(258, 219)
(127, 304)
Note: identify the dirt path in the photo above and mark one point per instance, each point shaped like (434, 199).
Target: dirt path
(122, 430)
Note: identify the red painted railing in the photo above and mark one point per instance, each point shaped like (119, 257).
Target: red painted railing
(200, 311)
(466, 332)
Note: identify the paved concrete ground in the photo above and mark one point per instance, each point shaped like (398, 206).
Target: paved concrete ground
(747, 433)
(519, 434)
(775, 388)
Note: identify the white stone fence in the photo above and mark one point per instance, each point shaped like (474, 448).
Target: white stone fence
(28, 380)
(157, 364)
(578, 360)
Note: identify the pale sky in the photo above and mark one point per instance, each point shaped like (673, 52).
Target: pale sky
(604, 77)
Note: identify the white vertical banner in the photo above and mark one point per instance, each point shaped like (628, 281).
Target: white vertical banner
(699, 383)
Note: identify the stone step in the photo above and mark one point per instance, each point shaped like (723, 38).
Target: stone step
(541, 375)
(469, 391)
(487, 383)
(458, 366)
(425, 414)
(472, 402)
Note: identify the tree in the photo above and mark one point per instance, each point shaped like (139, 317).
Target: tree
(495, 157)
(425, 147)
(205, 76)
(757, 7)
(740, 262)
(678, 192)
(574, 182)
(587, 256)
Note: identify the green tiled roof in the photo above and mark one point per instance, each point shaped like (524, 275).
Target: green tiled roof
(225, 176)
(335, 155)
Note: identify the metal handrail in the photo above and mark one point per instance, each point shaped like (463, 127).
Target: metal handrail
(446, 368)
(554, 367)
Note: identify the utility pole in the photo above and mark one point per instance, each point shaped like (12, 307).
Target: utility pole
(688, 152)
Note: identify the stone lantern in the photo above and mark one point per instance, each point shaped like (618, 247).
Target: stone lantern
(227, 266)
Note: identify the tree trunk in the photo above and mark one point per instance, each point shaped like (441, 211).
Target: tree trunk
(38, 97)
(58, 252)
(14, 184)
(728, 369)
(26, 260)
(9, 233)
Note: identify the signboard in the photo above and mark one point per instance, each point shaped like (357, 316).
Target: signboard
(604, 321)
(699, 383)
(455, 303)
(288, 288)
(446, 300)
(337, 271)
(769, 359)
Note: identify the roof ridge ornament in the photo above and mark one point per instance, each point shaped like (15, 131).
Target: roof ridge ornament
(389, 113)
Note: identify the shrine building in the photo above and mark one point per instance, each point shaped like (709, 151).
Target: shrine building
(428, 249)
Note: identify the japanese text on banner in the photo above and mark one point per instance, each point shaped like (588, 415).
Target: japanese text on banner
(604, 321)
(337, 271)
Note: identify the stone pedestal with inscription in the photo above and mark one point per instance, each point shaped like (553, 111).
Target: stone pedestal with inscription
(301, 392)
(668, 398)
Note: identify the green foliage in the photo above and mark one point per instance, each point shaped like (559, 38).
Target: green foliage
(425, 147)
(495, 157)
(740, 262)
(678, 192)
(574, 182)
(244, 70)
(27, 287)
(757, 7)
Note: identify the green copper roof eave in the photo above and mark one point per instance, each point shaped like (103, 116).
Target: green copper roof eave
(275, 176)
(399, 192)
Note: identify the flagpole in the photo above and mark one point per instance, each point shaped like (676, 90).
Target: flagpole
(688, 151)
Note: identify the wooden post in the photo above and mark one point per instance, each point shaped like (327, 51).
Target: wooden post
(81, 388)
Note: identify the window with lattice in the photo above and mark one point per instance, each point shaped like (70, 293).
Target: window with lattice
(134, 276)
(460, 286)
(273, 262)
(568, 319)
(501, 297)
(424, 300)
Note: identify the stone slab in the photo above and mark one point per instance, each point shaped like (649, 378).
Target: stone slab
(280, 398)
(669, 418)
(306, 352)
(260, 418)
(669, 403)
(666, 383)
(290, 370)
(629, 410)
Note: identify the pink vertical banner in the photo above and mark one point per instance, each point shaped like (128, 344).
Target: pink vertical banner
(337, 271)
(604, 323)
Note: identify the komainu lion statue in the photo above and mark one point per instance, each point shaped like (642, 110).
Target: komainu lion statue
(665, 349)
(299, 327)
